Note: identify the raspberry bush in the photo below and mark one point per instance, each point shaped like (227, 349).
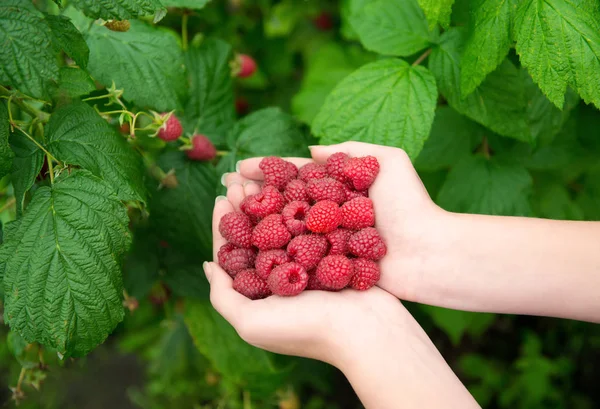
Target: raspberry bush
(118, 117)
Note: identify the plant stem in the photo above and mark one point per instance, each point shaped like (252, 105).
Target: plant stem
(422, 57)
(50, 168)
(21, 378)
(184, 31)
(8, 204)
(36, 142)
(36, 113)
(96, 97)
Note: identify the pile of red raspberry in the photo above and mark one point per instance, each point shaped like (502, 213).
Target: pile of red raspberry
(308, 229)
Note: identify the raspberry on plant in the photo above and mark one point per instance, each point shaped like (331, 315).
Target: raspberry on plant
(248, 283)
(271, 233)
(171, 129)
(277, 171)
(338, 241)
(247, 66)
(267, 260)
(236, 228)
(366, 274)
(288, 279)
(335, 166)
(326, 189)
(294, 217)
(296, 190)
(361, 171)
(241, 106)
(268, 201)
(367, 243)
(307, 249)
(324, 21)
(323, 217)
(312, 171)
(233, 259)
(335, 272)
(358, 213)
(202, 148)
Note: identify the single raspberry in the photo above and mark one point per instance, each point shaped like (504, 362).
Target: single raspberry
(202, 148)
(335, 272)
(307, 249)
(296, 190)
(358, 213)
(288, 279)
(361, 171)
(324, 217)
(247, 65)
(351, 193)
(267, 260)
(314, 283)
(335, 166)
(277, 171)
(271, 233)
(248, 283)
(171, 129)
(236, 228)
(326, 189)
(338, 241)
(366, 274)
(312, 171)
(234, 259)
(367, 243)
(262, 204)
(324, 21)
(294, 217)
(242, 106)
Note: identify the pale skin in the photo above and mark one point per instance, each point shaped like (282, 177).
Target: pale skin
(469, 262)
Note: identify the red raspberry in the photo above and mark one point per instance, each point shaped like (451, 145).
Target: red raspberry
(307, 249)
(288, 279)
(296, 190)
(271, 233)
(335, 272)
(247, 65)
(326, 189)
(361, 171)
(292, 170)
(236, 228)
(367, 243)
(202, 148)
(266, 261)
(323, 21)
(358, 213)
(277, 171)
(248, 283)
(335, 166)
(338, 241)
(312, 171)
(234, 259)
(353, 194)
(314, 283)
(294, 217)
(241, 106)
(171, 129)
(366, 274)
(262, 204)
(324, 217)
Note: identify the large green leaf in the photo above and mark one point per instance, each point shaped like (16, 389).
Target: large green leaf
(489, 41)
(26, 58)
(553, 201)
(559, 43)
(457, 323)
(391, 27)
(77, 135)
(118, 9)
(487, 186)
(387, 102)
(185, 4)
(146, 62)
(74, 82)
(499, 103)
(62, 280)
(6, 154)
(65, 36)
(210, 109)
(26, 165)
(437, 11)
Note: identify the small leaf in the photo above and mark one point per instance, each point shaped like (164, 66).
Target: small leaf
(553, 201)
(186, 4)
(26, 58)
(437, 11)
(487, 186)
(66, 37)
(77, 135)
(282, 18)
(6, 154)
(74, 82)
(387, 102)
(118, 9)
(62, 281)
(26, 165)
(457, 323)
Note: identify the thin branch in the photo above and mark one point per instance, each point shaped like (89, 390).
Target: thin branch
(422, 57)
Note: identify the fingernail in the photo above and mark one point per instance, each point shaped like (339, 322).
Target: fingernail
(237, 166)
(220, 198)
(310, 147)
(206, 268)
(249, 182)
(223, 176)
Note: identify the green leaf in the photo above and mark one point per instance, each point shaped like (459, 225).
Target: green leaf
(558, 41)
(66, 37)
(487, 186)
(62, 281)
(452, 137)
(500, 101)
(282, 18)
(210, 109)
(553, 201)
(118, 9)
(74, 82)
(26, 58)
(392, 27)
(28, 358)
(489, 41)
(6, 154)
(437, 11)
(141, 266)
(185, 4)
(387, 102)
(347, 9)
(184, 275)
(457, 323)
(146, 62)
(77, 135)
(589, 198)
(26, 165)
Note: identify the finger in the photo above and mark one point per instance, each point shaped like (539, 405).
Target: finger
(235, 194)
(320, 153)
(228, 302)
(232, 177)
(251, 187)
(222, 207)
(249, 167)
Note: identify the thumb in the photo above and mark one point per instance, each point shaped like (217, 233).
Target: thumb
(320, 153)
